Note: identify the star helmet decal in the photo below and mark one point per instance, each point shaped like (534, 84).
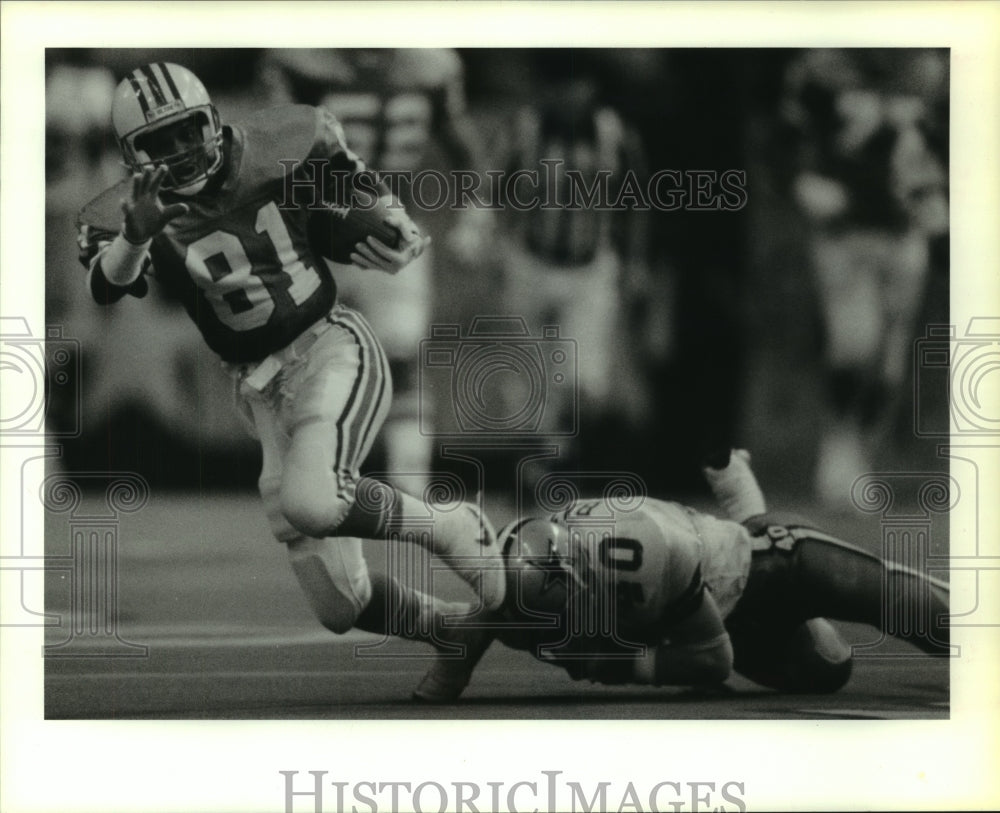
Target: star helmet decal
(557, 569)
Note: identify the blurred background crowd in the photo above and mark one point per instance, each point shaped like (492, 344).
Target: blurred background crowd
(786, 324)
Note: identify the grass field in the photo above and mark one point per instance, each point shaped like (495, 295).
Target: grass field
(212, 625)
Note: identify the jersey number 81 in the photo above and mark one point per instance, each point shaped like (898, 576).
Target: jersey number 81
(241, 295)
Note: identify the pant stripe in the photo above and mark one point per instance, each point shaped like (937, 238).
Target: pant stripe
(383, 365)
(375, 386)
(340, 463)
(369, 384)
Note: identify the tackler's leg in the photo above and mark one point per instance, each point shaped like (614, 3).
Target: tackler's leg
(822, 576)
(840, 581)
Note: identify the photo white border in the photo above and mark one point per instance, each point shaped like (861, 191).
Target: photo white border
(76, 766)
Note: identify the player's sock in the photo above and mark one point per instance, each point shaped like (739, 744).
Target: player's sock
(376, 509)
(735, 487)
(460, 533)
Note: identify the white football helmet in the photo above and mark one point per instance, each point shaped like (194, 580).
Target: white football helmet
(538, 565)
(158, 96)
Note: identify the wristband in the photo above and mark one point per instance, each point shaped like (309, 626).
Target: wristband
(122, 261)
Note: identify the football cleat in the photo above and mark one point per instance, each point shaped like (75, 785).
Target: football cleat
(451, 672)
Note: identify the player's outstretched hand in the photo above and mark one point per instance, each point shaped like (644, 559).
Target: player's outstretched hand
(145, 214)
(376, 255)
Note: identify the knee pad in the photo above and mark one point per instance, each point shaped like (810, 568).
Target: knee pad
(810, 658)
(333, 575)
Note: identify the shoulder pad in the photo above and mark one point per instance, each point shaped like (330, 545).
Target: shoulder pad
(285, 132)
(105, 211)
(330, 138)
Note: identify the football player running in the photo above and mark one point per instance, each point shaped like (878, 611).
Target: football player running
(206, 214)
(661, 594)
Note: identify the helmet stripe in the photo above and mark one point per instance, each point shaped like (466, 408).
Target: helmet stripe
(169, 78)
(140, 95)
(154, 86)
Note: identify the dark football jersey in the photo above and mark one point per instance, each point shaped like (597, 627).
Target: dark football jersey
(240, 260)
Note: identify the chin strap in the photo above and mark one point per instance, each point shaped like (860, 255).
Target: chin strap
(190, 189)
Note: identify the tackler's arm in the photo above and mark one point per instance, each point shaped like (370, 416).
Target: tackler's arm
(696, 651)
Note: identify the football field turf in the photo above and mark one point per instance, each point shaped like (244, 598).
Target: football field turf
(211, 625)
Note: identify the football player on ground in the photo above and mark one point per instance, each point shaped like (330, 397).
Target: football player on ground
(661, 594)
(206, 213)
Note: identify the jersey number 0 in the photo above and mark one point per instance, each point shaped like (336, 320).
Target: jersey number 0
(244, 295)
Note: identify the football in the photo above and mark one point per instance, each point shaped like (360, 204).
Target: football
(334, 231)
